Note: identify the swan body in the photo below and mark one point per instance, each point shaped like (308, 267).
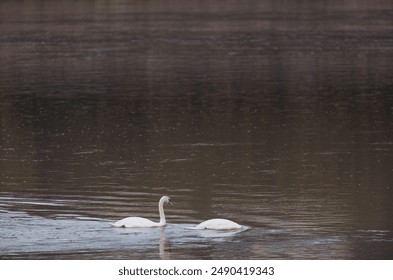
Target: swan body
(219, 224)
(138, 222)
(135, 222)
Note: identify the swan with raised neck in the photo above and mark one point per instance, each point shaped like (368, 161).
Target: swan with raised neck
(138, 222)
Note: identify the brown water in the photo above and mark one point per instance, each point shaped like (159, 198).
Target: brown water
(275, 114)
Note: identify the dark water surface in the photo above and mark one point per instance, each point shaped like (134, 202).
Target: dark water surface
(275, 114)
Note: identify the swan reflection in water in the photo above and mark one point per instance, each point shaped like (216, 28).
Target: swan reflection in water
(163, 239)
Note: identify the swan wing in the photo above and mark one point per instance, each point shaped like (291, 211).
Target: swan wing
(132, 222)
(218, 224)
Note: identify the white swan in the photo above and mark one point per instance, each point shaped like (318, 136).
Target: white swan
(218, 224)
(137, 222)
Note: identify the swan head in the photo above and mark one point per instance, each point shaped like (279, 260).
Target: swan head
(166, 199)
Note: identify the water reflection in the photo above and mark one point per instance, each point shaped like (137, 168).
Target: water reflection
(276, 116)
(164, 252)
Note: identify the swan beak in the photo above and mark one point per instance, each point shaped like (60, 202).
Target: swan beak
(170, 203)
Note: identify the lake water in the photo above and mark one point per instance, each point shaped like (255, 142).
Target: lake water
(275, 114)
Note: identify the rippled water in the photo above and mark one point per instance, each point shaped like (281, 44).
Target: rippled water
(277, 115)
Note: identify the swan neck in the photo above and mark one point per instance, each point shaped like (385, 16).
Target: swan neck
(161, 211)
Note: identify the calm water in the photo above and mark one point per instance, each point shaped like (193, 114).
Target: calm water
(275, 114)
